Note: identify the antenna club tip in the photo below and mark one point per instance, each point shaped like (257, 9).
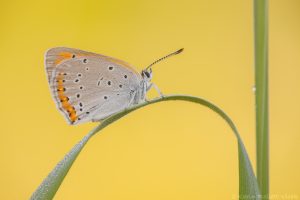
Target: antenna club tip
(180, 50)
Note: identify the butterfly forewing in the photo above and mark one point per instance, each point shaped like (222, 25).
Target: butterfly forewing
(88, 86)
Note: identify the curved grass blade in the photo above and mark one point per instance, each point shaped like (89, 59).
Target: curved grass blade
(248, 187)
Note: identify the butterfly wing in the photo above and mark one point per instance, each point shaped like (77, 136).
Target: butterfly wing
(88, 86)
(57, 55)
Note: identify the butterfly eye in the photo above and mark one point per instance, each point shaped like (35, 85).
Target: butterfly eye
(147, 74)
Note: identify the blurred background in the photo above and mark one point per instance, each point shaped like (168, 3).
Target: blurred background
(172, 150)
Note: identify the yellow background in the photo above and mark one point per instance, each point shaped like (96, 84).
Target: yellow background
(172, 150)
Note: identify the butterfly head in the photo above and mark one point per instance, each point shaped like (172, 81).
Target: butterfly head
(147, 74)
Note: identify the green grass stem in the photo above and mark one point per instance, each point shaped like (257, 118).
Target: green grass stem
(261, 94)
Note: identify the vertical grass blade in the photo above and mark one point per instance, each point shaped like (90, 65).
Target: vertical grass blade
(261, 94)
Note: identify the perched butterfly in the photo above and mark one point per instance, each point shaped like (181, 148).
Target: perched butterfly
(90, 87)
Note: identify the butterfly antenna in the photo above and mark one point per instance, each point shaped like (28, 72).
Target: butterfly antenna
(169, 55)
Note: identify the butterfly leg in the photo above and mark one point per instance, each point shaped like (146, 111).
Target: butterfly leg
(156, 88)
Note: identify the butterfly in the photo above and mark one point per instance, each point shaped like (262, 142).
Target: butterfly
(91, 87)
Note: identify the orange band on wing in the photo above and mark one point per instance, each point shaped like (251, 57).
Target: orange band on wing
(64, 99)
(64, 56)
